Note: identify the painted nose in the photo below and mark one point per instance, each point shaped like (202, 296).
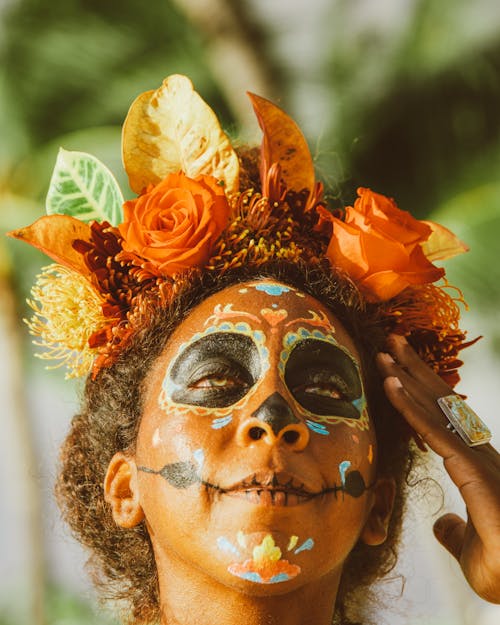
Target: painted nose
(274, 421)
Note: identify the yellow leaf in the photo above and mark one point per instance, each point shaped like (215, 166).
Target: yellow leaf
(442, 243)
(283, 143)
(54, 236)
(173, 129)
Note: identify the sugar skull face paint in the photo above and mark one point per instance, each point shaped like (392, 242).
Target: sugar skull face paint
(324, 379)
(245, 449)
(216, 370)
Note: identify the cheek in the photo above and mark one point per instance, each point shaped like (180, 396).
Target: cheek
(346, 449)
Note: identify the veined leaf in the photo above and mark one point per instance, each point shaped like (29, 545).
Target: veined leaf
(174, 129)
(83, 187)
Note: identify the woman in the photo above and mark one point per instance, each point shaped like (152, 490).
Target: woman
(250, 356)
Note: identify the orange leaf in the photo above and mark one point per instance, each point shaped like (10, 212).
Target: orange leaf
(442, 243)
(283, 143)
(54, 235)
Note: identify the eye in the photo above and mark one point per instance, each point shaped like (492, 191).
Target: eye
(324, 390)
(218, 382)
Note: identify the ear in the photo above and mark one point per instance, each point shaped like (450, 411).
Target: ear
(121, 491)
(375, 529)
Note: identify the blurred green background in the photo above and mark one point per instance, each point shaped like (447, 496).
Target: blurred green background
(399, 95)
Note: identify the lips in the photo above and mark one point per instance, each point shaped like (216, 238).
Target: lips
(271, 489)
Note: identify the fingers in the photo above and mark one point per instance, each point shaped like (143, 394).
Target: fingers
(450, 532)
(430, 425)
(407, 360)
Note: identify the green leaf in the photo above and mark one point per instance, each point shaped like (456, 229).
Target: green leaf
(83, 187)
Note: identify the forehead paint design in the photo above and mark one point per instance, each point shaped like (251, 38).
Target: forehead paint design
(222, 313)
(292, 339)
(274, 317)
(317, 320)
(221, 416)
(272, 288)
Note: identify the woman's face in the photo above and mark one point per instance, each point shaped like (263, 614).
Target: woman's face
(255, 453)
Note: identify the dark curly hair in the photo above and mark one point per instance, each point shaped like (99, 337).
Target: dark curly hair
(122, 561)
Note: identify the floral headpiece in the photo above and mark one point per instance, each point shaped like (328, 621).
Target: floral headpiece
(191, 215)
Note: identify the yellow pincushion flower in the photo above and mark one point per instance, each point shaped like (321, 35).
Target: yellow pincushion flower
(67, 312)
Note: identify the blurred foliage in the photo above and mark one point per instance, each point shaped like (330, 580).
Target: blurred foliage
(63, 608)
(76, 63)
(417, 102)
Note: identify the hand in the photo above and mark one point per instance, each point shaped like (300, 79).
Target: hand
(413, 388)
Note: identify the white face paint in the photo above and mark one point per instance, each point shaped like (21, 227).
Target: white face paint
(157, 440)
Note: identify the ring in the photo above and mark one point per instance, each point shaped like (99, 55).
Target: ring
(464, 421)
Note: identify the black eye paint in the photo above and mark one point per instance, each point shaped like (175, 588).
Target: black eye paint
(215, 356)
(276, 412)
(315, 363)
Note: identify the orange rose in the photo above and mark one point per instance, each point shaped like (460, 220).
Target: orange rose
(379, 246)
(174, 225)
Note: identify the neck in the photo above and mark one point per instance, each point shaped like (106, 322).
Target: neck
(189, 597)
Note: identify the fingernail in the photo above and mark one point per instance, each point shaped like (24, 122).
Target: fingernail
(388, 358)
(397, 382)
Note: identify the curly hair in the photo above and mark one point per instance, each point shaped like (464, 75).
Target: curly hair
(122, 561)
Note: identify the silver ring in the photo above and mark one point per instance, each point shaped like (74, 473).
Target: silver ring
(462, 420)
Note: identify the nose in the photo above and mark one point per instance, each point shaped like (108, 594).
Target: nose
(274, 421)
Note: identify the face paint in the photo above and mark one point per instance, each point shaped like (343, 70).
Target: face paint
(199, 458)
(215, 372)
(317, 320)
(317, 428)
(271, 288)
(156, 438)
(222, 313)
(305, 546)
(217, 424)
(343, 466)
(323, 378)
(266, 565)
(225, 545)
(238, 489)
(274, 317)
(292, 542)
(180, 475)
(370, 454)
(276, 412)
